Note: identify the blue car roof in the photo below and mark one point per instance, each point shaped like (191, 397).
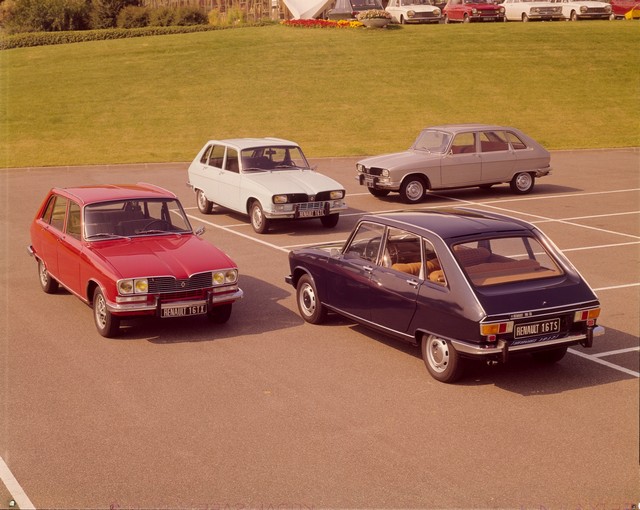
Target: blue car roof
(456, 223)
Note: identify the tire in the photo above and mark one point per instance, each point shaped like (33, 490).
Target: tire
(330, 221)
(446, 19)
(47, 282)
(107, 324)
(204, 205)
(220, 314)
(378, 192)
(402, 21)
(550, 356)
(259, 222)
(309, 305)
(522, 183)
(466, 19)
(525, 18)
(442, 360)
(573, 16)
(412, 190)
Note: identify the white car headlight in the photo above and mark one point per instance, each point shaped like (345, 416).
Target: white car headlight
(436, 12)
(336, 195)
(583, 9)
(385, 173)
(411, 14)
(359, 168)
(280, 199)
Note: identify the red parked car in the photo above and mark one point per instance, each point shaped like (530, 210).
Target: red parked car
(467, 11)
(127, 251)
(627, 9)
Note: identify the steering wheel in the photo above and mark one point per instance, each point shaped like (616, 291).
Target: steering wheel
(153, 222)
(371, 249)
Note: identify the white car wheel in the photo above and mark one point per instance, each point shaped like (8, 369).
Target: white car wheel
(259, 222)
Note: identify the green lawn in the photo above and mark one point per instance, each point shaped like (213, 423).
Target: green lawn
(337, 92)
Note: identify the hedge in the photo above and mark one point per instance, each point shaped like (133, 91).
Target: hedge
(25, 40)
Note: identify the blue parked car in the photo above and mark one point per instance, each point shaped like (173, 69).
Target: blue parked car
(461, 285)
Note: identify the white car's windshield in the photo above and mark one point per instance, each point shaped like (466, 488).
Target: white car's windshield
(431, 140)
(273, 158)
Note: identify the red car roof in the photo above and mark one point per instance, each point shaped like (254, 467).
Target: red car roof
(107, 192)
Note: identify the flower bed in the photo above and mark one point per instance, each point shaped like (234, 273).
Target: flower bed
(373, 14)
(321, 23)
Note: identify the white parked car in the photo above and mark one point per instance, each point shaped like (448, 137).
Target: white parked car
(266, 178)
(529, 10)
(413, 11)
(588, 9)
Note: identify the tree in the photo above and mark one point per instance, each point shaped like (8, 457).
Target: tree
(105, 12)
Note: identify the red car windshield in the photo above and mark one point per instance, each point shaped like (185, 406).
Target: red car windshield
(134, 218)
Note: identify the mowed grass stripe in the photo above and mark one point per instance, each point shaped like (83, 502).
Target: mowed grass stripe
(338, 92)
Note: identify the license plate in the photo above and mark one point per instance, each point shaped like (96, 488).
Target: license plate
(368, 180)
(313, 213)
(537, 328)
(489, 18)
(183, 310)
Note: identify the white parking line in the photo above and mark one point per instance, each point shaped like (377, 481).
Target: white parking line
(231, 231)
(605, 363)
(613, 353)
(17, 493)
(615, 287)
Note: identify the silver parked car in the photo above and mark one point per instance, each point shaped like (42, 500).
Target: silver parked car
(457, 156)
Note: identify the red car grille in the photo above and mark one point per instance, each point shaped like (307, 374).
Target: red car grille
(171, 285)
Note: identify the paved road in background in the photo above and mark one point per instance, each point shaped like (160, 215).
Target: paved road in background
(269, 412)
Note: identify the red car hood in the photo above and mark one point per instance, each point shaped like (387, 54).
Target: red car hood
(166, 255)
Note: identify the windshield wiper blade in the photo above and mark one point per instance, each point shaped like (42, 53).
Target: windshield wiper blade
(106, 234)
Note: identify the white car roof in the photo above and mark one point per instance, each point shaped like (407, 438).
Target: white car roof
(247, 143)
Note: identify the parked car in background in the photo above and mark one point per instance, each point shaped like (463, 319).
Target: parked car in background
(349, 9)
(457, 156)
(532, 10)
(466, 11)
(625, 9)
(413, 11)
(575, 10)
(130, 251)
(266, 178)
(463, 285)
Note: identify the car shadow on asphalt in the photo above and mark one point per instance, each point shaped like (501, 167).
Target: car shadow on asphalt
(522, 374)
(260, 311)
(499, 191)
(291, 227)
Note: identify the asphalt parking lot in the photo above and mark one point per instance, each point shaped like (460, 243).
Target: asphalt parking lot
(269, 412)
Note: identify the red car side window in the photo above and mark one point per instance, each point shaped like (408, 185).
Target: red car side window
(55, 213)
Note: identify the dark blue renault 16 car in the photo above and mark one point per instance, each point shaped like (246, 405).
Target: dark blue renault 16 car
(462, 285)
